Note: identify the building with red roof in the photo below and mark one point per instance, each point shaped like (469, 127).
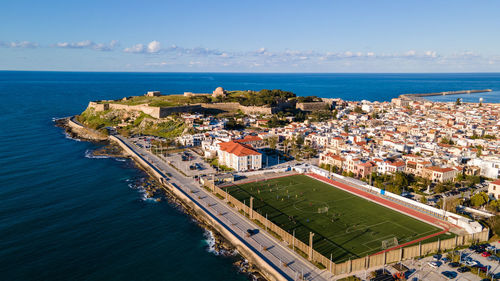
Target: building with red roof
(239, 156)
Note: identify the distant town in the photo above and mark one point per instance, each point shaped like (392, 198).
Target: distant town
(442, 155)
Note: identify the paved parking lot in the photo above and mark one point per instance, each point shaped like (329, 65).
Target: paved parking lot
(423, 271)
(175, 159)
(202, 168)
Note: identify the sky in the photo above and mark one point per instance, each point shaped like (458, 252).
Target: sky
(251, 36)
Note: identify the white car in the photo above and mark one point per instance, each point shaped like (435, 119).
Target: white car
(434, 264)
(470, 262)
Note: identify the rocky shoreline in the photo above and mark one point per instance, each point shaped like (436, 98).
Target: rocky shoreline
(153, 189)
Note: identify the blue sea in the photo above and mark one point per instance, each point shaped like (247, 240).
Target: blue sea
(67, 216)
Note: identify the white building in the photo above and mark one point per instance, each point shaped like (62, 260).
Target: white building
(494, 189)
(239, 156)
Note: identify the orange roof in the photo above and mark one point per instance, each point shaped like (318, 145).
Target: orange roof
(248, 139)
(397, 164)
(497, 182)
(439, 169)
(238, 149)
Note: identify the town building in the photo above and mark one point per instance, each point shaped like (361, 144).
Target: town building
(239, 156)
(494, 189)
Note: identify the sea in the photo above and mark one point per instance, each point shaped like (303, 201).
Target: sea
(67, 215)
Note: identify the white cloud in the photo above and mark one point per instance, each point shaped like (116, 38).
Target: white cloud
(411, 53)
(154, 47)
(138, 48)
(87, 44)
(431, 54)
(22, 44)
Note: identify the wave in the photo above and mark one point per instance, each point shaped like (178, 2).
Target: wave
(142, 192)
(210, 242)
(90, 154)
(68, 136)
(59, 118)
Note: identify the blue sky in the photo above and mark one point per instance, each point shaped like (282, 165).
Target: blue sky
(251, 36)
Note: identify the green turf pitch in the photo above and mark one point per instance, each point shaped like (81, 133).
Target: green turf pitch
(352, 227)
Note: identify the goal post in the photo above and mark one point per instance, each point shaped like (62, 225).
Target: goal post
(389, 243)
(322, 210)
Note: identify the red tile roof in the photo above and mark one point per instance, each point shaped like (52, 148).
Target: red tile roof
(248, 139)
(238, 149)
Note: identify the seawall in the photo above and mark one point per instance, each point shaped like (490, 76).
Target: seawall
(419, 96)
(265, 269)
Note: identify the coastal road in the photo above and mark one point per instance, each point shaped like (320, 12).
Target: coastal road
(277, 254)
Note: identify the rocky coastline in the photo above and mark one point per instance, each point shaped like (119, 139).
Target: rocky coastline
(155, 191)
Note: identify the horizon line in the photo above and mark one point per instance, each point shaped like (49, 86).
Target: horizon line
(243, 72)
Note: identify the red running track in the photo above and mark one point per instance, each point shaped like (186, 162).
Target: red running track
(411, 212)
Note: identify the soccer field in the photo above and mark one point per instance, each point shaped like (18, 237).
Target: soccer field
(345, 225)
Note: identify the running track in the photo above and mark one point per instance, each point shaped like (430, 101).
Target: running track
(411, 212)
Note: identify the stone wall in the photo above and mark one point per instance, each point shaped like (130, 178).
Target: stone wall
(161, 112)
(156, 112)
(312, 106)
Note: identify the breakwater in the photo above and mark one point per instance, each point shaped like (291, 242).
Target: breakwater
(420, 96)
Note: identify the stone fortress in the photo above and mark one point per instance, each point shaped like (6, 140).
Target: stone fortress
(162, 112)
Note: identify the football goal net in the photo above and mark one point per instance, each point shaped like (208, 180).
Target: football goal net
(322, 210)
(389, 243)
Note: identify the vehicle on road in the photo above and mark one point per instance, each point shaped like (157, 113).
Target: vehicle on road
(252, 231)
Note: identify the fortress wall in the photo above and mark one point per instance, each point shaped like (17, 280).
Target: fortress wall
(312, 106)
(225, 106)
(256, 109)
(161, 112)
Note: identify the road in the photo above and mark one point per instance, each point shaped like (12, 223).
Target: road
(277, 253)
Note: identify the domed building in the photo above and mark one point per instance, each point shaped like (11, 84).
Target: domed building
(219, 92)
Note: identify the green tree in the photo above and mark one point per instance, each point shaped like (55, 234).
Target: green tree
(272, 141)
(358, 109)
(334, 114)
(494, 224)
(346, 128)
(479, 199)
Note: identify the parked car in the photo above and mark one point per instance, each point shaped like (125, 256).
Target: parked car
(493, 258)
(436, 257)
(445, 260)
(491, 248)
(470, 262)
(449, 274)
(453, 264)
(463, 269)
(434, 264)
(486, 254)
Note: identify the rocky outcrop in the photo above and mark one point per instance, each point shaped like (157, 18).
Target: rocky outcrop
(77, 131)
